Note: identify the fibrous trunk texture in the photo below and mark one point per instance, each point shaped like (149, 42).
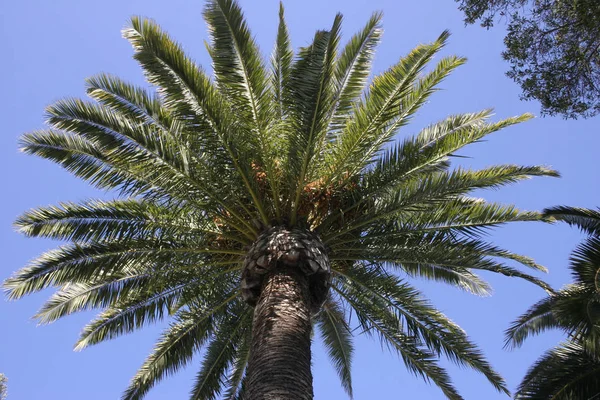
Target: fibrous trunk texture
(279, 367)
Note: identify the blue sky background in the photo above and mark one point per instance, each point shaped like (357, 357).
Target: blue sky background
(49, 47)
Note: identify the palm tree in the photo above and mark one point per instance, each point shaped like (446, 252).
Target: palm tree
(571, 370)
(263, 202)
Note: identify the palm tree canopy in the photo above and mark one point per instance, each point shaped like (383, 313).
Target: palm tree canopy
(571, 370)
(202, 167)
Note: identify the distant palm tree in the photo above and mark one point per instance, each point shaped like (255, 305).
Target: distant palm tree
(263, 202)
(570, 371)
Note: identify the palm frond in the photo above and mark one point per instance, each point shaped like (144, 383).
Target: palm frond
(75, 297)
(585, 262)
(430, 150)
(85, 160)
(237, 64)
(537, 319)
(363, 137)
(353, 68)
(281, 62)
(98, 220)
(566, 372)
(132, 102)
(413, 315)
(190, 93)
(242, 77)
(410, 253)
(311, 78)
(235, 382)
(584, 218)
(76, 263)
(420, 361)
(422, 194)
(177, 345)
(221, 352)
(338, 340)
(129, 315)
(462, 217)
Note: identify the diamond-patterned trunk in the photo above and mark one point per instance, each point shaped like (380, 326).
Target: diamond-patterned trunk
(286, 277)
(294, 248)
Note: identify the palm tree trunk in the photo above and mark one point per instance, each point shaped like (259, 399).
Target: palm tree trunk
(279, 366)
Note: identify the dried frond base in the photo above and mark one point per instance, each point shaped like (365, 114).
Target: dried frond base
(281, 246)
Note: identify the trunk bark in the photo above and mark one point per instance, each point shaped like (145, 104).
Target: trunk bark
(279, 367)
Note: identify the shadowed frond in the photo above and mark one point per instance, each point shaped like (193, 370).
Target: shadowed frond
(407, 311)
(566, 372)
(178, 344)
(80, 263)
(235, 382)
(221, 352)
(338, 340)
(571, 370)
(585, 219)
(378, 321)
(537, 319)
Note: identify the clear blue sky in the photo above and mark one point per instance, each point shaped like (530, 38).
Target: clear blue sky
(49, 47)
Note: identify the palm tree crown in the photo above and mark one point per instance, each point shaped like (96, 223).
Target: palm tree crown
(218, 180)
(572, 369)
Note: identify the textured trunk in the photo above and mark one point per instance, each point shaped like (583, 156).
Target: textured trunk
(279, 366)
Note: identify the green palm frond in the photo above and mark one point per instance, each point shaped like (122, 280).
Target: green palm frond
(409, 312)
(389, 101)
(311, 78)
(75, 297)
(571, 370)
(375, 320)
(129, 219)
(585, 219)
(221, 352)
(190, 92)
(430, 150)
(408, 253)
(80, 263)
(585, 263)
(238, 66)
(87, 161)
(242, 78)
(127, 316)
(133, 102)
(337, 337)
(177, 345)
(235, 381)
(281, 62)
(536, 320)
(353, 69)
(566, 372)
(422, 194)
